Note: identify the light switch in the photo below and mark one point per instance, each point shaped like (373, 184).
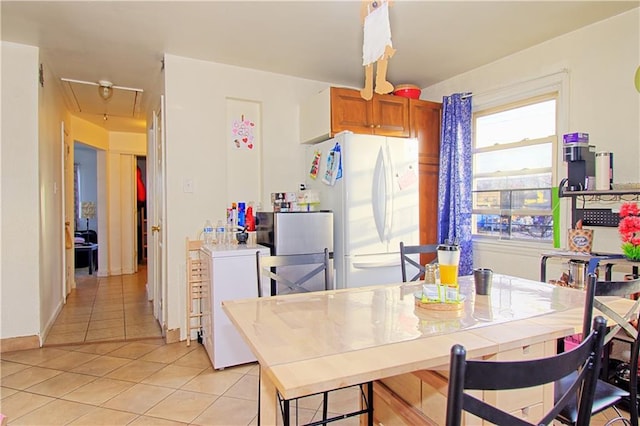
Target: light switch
(187, 185)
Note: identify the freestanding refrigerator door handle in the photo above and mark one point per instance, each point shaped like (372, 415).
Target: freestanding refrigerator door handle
(378, 195)
(375, 265)
(388, 199)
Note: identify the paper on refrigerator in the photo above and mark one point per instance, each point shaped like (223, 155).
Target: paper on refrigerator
(333, 171)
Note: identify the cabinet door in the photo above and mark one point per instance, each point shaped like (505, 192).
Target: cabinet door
(425, 119)
(428, 204)
(390, 115)
(350, 112)
(425, 126)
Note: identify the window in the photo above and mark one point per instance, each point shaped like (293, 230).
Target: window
(513, 158)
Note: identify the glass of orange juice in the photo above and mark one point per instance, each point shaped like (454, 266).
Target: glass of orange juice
(448, 259)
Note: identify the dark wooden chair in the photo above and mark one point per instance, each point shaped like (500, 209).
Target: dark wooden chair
(608, 395)
(405, 259)
(506, 375)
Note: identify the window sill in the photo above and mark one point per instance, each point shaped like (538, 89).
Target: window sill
(511, 246)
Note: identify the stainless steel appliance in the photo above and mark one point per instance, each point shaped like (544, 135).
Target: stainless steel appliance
(296, 233)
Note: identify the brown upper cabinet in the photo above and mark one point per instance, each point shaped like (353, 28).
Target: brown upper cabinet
(336, 109)
(384, 115)
(425, 119)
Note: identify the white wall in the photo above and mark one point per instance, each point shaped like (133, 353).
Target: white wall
(196, 94)
(51, 179)
(129, 143)
(601, 60)
(20, 303)
(32, 180)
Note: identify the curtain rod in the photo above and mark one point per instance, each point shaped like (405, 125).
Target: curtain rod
(469, 95)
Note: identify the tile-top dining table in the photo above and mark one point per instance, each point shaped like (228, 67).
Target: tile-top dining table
(314, 342)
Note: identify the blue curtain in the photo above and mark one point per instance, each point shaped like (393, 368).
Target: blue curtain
(454, 182)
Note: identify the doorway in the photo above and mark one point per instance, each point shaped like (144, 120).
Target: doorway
(103, 306)
(85, 201)
(141, 209)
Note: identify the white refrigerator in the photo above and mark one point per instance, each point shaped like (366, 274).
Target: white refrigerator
(374, 202)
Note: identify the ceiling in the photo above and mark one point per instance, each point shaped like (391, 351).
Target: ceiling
(124, 41)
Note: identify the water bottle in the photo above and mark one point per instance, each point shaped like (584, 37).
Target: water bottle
(208, 232)
(220, 232)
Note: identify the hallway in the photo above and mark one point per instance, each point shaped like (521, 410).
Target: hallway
(103, 309)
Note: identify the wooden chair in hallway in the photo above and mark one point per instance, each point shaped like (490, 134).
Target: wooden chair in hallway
(196, 286)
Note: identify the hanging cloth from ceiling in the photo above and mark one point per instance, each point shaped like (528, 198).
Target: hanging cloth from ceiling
(377, 34)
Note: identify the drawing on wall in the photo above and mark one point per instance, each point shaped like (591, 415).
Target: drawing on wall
(242, 131)
(243, 140)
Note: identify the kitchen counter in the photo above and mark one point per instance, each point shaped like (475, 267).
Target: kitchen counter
(310, 343)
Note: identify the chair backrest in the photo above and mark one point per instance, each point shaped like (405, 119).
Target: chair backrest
(505, 375)
(623, 324)
(405, 259)
(624, 289)
(295, 279)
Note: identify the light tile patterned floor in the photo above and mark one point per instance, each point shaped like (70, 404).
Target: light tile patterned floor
(137, 383)
(105, 309)
(105, 363)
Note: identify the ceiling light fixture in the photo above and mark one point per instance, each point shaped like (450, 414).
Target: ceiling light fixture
(102, 84)
(105, 89)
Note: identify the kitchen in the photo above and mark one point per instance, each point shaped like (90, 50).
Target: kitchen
(585, 77)
(196, 94)
(601, 59)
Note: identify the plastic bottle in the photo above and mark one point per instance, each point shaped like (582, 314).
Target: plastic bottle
(208, 232)
(220, 233)
(250, 220)
(241, 215)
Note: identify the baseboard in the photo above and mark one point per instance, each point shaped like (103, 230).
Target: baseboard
(19, 343)
(51, 322)
(172, 336)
